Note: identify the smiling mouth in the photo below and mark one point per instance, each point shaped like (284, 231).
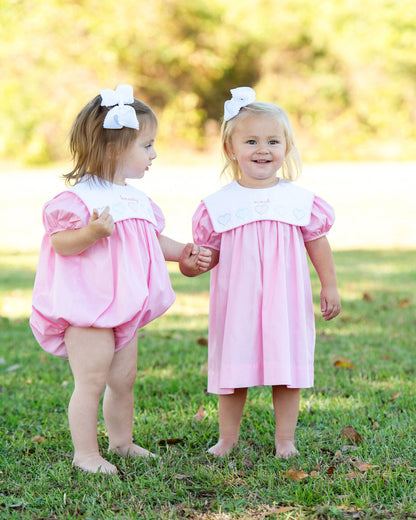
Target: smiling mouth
(262, 161)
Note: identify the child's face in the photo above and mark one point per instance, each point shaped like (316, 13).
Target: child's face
(258, 144)
(137, 159)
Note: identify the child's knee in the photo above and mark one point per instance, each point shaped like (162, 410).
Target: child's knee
(122, 382)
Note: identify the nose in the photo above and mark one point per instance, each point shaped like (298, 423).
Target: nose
(263, 149)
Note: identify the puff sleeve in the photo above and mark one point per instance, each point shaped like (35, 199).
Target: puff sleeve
(322, 218)
(160, 219)
(64, 212)
(203, 230)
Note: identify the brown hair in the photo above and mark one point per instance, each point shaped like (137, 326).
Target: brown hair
(292, 165)
(95, 150)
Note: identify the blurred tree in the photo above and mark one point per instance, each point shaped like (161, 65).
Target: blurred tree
(344, 71)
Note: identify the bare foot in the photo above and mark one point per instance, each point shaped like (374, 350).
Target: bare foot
(94, 464)
(286, 449)
(132, 450)
(222, 448)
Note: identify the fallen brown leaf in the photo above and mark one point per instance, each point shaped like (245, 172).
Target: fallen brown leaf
(367, 297)
(374, 423)
(343, 363)
(248, 463)
(392, 398)
(165, 442)
(404, 303)
(351, 475)
(200, 414)
(278, 510)
(296, 474)
(363, 466)
(349, 433)
(38, 439)
(203, 342)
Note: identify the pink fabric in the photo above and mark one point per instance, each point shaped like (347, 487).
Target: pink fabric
(261, 324)
(120, 282)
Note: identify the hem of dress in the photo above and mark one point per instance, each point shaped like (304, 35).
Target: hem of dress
(228, 391)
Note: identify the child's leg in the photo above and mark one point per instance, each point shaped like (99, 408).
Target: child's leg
(90, 353)
(286, 411)
(118, 402)
(230, 411)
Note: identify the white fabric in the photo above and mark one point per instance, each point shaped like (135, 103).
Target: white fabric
(234, 205)
(124, 201)
(121, 115)
(241, 97)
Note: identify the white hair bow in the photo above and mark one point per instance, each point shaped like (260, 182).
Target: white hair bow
(241, 97)
(121, 115)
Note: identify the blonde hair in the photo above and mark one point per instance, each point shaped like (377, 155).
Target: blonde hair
(95, 150)
(292, 165)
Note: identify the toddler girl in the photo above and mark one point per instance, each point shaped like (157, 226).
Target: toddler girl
(102, 272)
(261, 326)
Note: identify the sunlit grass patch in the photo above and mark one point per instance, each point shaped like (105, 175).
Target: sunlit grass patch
(364, 378)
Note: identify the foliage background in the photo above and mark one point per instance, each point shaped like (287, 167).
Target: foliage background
(345, 71)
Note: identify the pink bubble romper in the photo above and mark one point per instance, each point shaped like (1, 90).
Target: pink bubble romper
(121, 282)
(261, 325)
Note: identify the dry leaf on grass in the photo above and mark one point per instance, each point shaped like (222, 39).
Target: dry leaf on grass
(203, 342)
(200, 414)
(363, 466)
(351, 475)
(367, 297)
(392, 398)
(278, 510)
(296, 474)
(404, 303)
(352, 435)
(343, 363)
(38, 439)
(166, 442)
(374, 423)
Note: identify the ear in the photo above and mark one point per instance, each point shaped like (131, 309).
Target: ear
(109, 149)
(229, 150)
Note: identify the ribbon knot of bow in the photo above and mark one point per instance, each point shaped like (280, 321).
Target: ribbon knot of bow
(241, 97)
(121, 115)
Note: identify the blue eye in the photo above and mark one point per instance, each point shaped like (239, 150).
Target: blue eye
(251, 141)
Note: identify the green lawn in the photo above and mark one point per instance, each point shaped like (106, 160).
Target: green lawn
(364, 378)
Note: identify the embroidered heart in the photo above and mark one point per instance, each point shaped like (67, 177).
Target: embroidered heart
(242, 213)
(299, 213)
(224, 219)
(261, 209)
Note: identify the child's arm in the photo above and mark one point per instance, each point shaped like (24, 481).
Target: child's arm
(75, 241)
(193, 259)
(320, 253)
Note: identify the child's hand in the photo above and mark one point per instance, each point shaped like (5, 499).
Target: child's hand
(330, 303)
(194, 260)
(101, 225)
(204, 258)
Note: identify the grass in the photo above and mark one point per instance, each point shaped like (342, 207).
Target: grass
(364, 378)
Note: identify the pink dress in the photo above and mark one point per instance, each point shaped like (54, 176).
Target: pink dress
(261, 324)
(120, 282)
